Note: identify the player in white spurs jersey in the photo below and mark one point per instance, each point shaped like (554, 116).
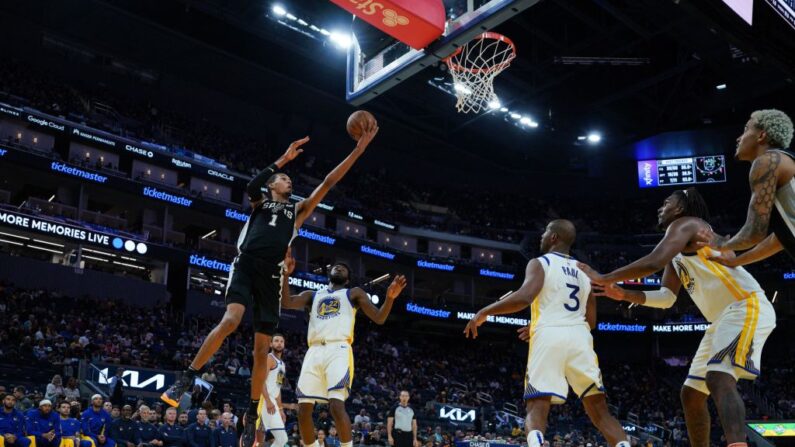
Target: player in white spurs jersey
(730, 298)
(270, 413)
(560, 352)
(770, 223)
(327, 370)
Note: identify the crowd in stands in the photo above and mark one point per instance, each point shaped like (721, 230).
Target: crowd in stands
(54, 333)
(505, 216)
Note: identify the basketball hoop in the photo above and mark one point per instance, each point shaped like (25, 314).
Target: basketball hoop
(474, 67)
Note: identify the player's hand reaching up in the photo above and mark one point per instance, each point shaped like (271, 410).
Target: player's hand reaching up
(524, 333)
(294, 150)
(397, 286)
(471, 330)
(366, 138)
(595, 277)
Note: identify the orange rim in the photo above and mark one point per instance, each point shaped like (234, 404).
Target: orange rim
(487, 35)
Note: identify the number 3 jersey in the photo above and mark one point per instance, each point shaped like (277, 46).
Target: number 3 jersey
(563, 298)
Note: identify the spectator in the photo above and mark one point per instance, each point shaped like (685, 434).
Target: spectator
(332, 440)
(96, 422)
(244, 370)
(321, 438)
(23, 403)
(12, 423)
(171, 433)
(183, 422)
(361, 418)
(209, 376)
(225, 435)
(115, 413)
(148, 434)
(124, 430)
(117, 387)
(229, 408)
(107, 406)
(199, 433)
(324, 421)
(72, 390)
(44, 425)
(55, 389)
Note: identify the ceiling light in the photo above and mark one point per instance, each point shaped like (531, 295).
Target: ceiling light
(290, 16)
(526, 121)
(340, 39)
(279, 10)
(581, 137)
(462, 89)
(721, 87)
(494, 104)
(503, 109)
(533, 124)
(515, 115)
(594, 137)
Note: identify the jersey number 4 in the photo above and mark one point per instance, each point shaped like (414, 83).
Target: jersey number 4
(573, 296)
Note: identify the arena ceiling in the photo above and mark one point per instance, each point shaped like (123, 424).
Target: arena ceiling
(684, 51)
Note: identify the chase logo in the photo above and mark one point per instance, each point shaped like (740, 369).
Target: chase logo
(685, 277)
(328, 308)
(3, 152)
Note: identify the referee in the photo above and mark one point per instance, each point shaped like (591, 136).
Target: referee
(401, 424)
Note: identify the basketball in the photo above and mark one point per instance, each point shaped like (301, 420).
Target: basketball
(358, 122)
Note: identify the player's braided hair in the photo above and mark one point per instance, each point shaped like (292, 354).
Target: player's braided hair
(693, 204)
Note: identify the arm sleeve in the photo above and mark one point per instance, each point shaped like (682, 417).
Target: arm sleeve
(254, 187)
(661, 299)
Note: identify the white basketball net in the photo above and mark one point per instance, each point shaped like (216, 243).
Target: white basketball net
(474, 67)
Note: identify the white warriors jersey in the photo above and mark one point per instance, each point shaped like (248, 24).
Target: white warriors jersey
(275, 378)
(563, 298)
(713, 286)
(332, 317)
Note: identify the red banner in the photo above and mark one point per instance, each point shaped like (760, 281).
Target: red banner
(416, 23)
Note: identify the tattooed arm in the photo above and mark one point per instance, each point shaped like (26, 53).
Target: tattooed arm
(764, 182)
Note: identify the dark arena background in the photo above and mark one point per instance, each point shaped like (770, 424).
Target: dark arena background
(130, 130)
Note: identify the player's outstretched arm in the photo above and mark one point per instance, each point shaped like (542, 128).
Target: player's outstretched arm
(662, 298)
(300, 301)
(765, 249)
(764, 183)
(305, 207)
(675, 240)
(519, 300)
(378, 315)
(254, 187)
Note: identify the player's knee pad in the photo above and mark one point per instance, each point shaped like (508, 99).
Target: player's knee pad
(279, 438)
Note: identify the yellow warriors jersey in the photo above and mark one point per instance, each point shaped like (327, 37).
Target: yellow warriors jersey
(275, 378)
(332, 317)
(563, 298)
(713, 286)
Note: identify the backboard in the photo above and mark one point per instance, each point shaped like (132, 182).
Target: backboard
(390, 62)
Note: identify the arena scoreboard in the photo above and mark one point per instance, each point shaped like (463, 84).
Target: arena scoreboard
(681, 171)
